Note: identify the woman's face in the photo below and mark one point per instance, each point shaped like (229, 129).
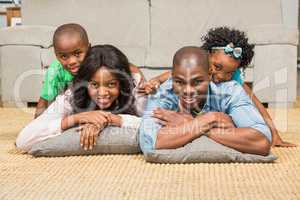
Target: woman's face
(104, 88)
(222, 66)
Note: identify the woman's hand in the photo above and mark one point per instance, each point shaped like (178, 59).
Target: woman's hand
(98, 118)
(88, 135)
(171, 118)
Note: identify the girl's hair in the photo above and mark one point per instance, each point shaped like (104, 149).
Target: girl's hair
(112, 58)
(222, 36)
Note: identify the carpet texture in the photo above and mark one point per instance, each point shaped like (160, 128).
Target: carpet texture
(129, 177)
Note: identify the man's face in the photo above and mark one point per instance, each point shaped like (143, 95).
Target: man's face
(190, 83)
(70, 52)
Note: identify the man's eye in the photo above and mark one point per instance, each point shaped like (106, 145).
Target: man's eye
(178, 82)
(198, 82)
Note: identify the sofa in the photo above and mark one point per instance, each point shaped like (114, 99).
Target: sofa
(149, 32)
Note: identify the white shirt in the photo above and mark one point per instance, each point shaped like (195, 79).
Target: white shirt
(48, 124)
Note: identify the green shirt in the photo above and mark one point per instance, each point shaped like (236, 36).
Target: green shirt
(55, 81)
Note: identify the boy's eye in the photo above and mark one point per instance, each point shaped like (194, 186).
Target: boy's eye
(64, 57)
(77, 54)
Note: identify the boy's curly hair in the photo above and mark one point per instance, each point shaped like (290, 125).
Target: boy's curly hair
(222, 36)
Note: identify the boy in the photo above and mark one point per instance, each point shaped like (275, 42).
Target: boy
(71, 43)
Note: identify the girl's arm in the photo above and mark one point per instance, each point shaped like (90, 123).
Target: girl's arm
(153, 84)
(276, 141)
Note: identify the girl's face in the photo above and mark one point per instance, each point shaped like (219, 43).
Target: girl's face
(104, 88)
(222, 66)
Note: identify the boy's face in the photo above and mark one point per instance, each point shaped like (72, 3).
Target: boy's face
(190, 84)
(70, 52)
(222, 66)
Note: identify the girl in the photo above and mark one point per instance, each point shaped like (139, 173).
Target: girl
(102, 93)
(229, 53)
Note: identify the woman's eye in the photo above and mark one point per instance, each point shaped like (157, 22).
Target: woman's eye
(94, 85)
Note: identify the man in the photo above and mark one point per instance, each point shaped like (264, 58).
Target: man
(188, 106)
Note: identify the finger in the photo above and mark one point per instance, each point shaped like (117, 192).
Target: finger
(81, 137)
(284, 144)
(91, 139)
(162, 122)
(79, 129)
(86, 140)
(158, 116)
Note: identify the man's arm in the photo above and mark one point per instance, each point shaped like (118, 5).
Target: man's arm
(246, 140)
(251, 135)
(178, 136)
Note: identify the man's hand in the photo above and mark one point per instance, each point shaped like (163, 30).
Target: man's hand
(221, 120)
(171, 118)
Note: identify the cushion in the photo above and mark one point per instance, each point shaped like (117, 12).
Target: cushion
(204, 150)
(112, 140)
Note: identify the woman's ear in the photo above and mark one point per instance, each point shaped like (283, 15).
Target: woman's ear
(210, 73)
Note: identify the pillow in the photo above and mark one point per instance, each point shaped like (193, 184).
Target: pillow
(112, 140)
(204, 150)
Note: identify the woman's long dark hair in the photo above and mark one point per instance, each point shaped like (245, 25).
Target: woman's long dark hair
(112, 58)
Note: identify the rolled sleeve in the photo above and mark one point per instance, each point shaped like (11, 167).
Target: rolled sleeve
(244, 113)
(149, 127)
(164, 98)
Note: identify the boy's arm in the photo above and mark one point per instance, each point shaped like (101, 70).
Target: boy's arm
(41, 107)
(277, 141)
(49, 90)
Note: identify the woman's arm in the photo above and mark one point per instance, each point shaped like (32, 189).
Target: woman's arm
(277, 141)
(45, 126)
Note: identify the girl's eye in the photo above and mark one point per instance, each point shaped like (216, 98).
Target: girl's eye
(112, 85)
(218, 67)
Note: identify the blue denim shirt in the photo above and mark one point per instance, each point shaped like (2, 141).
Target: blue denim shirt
(227, 97)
